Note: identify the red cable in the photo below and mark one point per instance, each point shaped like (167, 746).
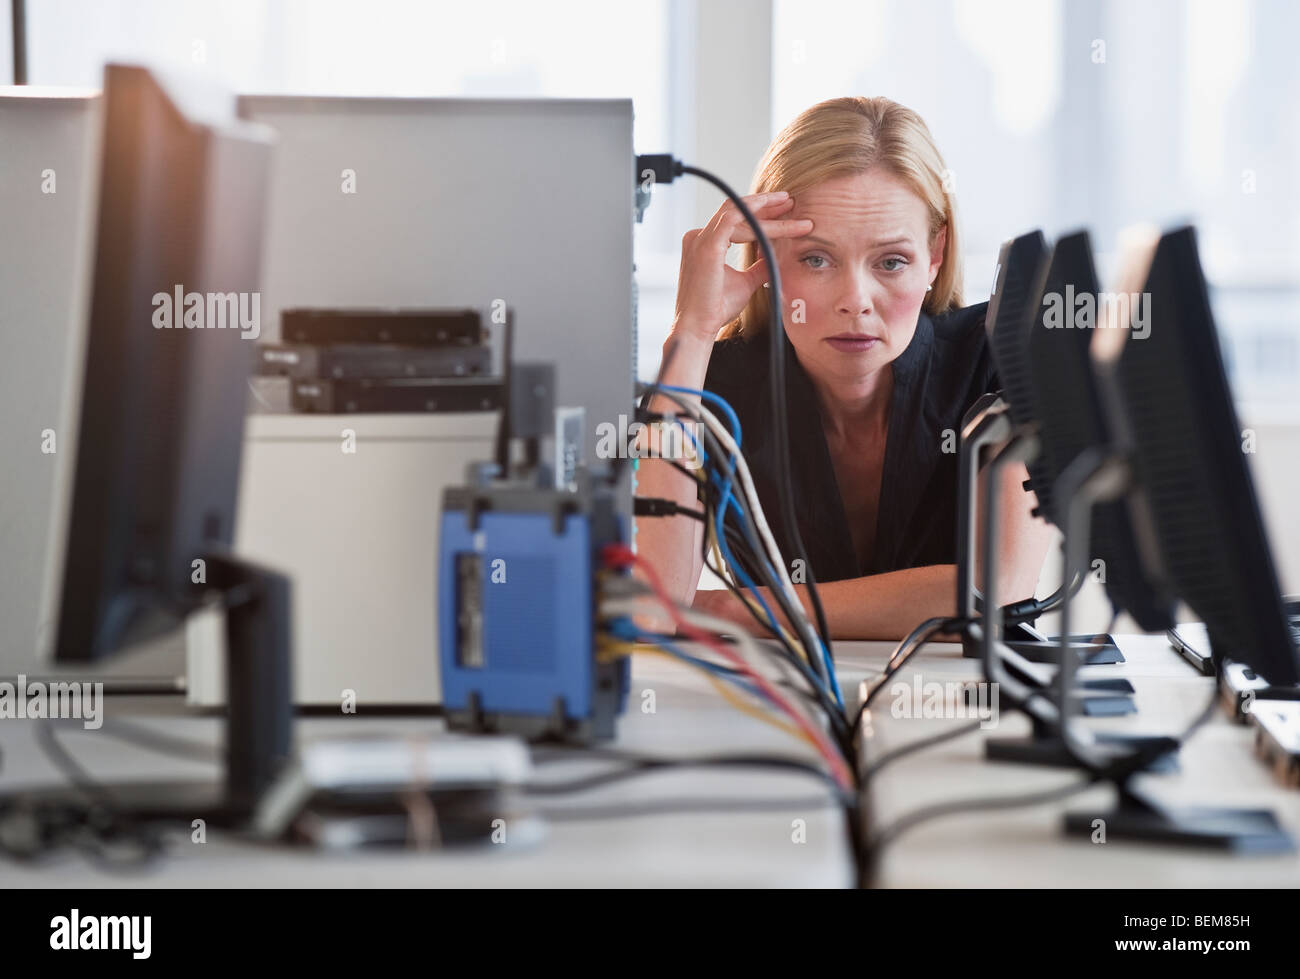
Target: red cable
(620, 555)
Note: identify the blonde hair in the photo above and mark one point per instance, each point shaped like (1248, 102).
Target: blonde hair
(845, 137)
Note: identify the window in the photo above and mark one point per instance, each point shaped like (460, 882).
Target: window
(1065, 115)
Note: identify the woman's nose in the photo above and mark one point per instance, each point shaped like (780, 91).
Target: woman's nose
(856, 298)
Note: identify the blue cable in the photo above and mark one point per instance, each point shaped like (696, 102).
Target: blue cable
(624, 629)
(748, 582)
(735, 504)
(728, 499)
(730, 412)
(725, 486)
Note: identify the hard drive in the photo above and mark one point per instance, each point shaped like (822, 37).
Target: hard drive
(1277, 737)
(415, 327)
(398, 395)
(344, 361)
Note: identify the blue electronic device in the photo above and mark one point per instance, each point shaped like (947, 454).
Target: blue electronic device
(517, 610)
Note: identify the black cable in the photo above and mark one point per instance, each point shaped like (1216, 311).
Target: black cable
(685, 806)
(637, 766)
(30, 834)
(902, 751)
(865, 852)
(917, 638)
(761, 568)
(808, 694)
(98, 828)
(667, 167)
(894, 830)
(815, 693)
(120, 687)
(741, 519)
(502, 449)
(781, 434)
(70, 768)
(817, 690)
(866, 848)
(714, 450)
(166, 744)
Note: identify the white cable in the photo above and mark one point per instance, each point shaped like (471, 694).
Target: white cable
(803, 627)
(760, 522)
(750, 652)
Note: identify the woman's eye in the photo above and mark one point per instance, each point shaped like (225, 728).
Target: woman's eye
(901, 264)
(810, 259)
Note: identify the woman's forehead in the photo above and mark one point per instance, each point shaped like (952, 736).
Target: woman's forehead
(874, 204)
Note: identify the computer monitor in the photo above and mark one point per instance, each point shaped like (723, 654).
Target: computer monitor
(1012, 303)
(1066, 405)
(1168, 400)
(155, 475)
(149, 498)
(1020, 266)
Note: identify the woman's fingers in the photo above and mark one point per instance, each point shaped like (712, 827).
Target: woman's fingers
(774, 229)
(709, 291)
(727, 216)
(729, 226)
(756, 274)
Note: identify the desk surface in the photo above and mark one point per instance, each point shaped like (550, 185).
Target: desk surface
(1020, 847)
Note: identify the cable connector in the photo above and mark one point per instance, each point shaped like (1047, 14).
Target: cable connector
(644, 506)
(658, 168)
(651, 169)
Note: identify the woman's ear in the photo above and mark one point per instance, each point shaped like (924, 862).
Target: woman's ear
(936, 251)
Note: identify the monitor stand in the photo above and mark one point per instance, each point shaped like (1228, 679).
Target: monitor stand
(987, 423)
(1096, 476)
(1095, 697)
(1093, 650)
(259, 721)
(1043, 746)
(1136, 817)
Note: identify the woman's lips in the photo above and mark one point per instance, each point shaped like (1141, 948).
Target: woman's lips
(853, 344)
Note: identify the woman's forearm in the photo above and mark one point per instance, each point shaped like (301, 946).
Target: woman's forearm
(882, 606)
(671, 545)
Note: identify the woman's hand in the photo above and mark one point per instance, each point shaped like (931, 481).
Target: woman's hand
(710, 293)
(721, 603)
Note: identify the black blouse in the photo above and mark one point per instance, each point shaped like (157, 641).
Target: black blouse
(943, 371)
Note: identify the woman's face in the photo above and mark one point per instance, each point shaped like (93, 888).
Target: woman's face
(853, 286)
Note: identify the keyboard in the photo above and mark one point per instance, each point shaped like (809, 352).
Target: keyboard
(1192, 641)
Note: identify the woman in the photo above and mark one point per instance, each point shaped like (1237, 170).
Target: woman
(882, 364)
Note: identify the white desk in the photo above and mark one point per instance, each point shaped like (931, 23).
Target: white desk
(1011, 848)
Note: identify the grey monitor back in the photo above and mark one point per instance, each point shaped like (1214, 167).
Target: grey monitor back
(49, 152)
(465, 202)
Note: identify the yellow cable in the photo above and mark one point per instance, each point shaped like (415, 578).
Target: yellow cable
(734, 699)
(623, 648)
